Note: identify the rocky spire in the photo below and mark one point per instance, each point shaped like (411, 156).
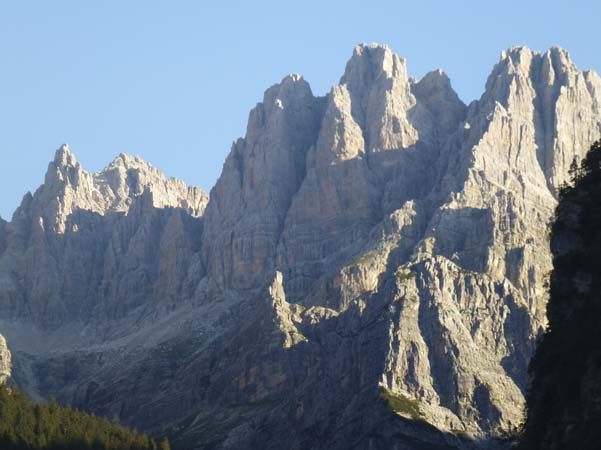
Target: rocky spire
(5, 361)
(549, 91)
(407, 235)
(63, 157)
(380, 97)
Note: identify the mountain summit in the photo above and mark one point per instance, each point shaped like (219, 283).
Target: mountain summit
(369, 272)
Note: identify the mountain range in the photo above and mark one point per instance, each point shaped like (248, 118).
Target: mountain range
(369, 271)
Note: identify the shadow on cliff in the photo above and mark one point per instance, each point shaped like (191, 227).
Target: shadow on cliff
(105, 277)
(321, 393)
(101, 267)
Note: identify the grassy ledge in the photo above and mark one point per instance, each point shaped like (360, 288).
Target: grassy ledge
(402, 405)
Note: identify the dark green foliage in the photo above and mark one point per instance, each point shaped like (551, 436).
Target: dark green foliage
(165, 444)
(25, 425)
(564, 403)
(363, 259)
(403, 405)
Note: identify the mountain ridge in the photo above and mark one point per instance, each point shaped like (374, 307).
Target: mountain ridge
(383, 236)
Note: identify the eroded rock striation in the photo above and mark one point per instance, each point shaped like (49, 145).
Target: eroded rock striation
(384, 238)
(90, 247)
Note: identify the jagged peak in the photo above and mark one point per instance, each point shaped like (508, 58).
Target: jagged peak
(365, 47)
(559, 59)
(549, 68)
(556, 50)
(125, 157)
(292, 78)
(63, 168)
(518, 59)
(435, 87)
(517, 51)
(437, 72)
(289, 94)
(124, 178)
(373, 60)
(64, 156)
(127, 161)
(435, 77)
(292, 86)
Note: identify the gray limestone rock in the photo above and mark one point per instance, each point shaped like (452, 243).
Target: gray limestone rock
(85, 246)
(383, 242)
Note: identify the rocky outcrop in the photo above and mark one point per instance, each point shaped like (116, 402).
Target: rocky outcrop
(369, 272)
(5, 361)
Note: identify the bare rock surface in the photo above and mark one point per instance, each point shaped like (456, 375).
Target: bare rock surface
(97, 246)
(382, 242)
(5, 361)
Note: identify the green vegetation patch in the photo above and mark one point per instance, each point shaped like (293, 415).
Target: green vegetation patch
(25, 425)
(404, 274)
(403, 405)
(363, 259)
(460, 433)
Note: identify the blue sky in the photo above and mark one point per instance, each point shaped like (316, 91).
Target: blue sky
(173, 81)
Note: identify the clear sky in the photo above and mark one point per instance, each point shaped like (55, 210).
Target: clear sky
(173, 81)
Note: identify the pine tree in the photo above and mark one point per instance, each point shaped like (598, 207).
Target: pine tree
(165, 444)
(25, 425)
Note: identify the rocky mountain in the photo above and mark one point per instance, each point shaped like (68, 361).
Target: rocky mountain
(369, 272)
(93, 247)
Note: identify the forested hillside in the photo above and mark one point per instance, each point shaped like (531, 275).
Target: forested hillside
(25, 425)
(564, 405)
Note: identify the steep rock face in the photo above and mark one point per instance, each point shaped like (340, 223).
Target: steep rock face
(383, 239)
(488, 238)
(85, 244)
(406, 183)
(260, 176)
(375, 141)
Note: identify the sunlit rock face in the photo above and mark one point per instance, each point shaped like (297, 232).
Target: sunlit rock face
(90, 246)
(382, 238)
(5, 361)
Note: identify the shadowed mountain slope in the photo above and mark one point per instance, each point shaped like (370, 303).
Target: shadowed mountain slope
(384, 241)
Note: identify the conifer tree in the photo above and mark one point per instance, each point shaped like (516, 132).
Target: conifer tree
(165, 444)
(563, 405)
(25, 425)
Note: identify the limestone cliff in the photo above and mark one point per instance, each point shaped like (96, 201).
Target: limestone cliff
(96, 246)
(384, 240)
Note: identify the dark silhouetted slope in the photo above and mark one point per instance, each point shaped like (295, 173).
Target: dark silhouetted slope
(564, 406)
